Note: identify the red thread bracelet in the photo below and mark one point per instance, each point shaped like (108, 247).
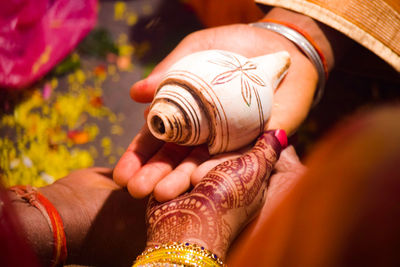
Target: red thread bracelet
(39, 201)
(307, 36)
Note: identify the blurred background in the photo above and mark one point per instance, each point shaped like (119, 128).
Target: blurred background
(79, 114)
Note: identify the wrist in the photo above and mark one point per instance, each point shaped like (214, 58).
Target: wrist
(173, 221)
(73, 217)
(218, 249)
(176, 253)
(318, 32)
(39, 218)
(35, 229)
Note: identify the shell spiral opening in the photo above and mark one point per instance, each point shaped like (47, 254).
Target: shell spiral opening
(158, 125)
(176, 116)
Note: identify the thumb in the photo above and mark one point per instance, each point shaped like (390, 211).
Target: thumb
(243, 177)
(272, 141)
(237, 186)
(143, 90)
(276, 137)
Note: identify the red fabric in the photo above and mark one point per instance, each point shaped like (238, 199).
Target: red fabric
(14, 251)
(222, 12)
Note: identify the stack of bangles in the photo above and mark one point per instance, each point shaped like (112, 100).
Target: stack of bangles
(178, 254)
(36, 199)
(305, 43)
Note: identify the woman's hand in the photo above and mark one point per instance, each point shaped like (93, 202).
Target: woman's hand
(150, 165)
(220, 205)
(287, 173)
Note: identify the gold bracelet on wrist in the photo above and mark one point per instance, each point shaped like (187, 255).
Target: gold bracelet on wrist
(180, 254)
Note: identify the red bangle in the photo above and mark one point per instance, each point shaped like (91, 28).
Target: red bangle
(307, 36)
(39, 201)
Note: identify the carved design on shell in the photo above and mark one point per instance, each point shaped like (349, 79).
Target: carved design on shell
(237, 69)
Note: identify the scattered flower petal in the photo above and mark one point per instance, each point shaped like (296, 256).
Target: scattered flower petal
(46, 93)
(119, 10)
(96, 101)
(124, 62)
(100, 71)
(78, 137)
(47, 178)
(27, 161)
(14, 163)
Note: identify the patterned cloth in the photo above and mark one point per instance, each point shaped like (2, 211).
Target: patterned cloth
(374, 24)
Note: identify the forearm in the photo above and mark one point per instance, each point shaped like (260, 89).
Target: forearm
(76, 221)
(43, 212)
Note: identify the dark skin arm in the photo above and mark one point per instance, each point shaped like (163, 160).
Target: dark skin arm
(99, 219)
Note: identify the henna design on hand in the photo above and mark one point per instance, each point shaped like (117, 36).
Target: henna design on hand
(220, 205)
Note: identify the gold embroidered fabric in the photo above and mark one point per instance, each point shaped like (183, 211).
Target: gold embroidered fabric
(374, 24)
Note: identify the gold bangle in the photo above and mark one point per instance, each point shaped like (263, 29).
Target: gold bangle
(181, 254)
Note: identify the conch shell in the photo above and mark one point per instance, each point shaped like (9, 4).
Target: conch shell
(216, 97)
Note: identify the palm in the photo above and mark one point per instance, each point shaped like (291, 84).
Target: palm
(149, 165)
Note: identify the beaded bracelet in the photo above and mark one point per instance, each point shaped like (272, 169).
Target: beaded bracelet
(305, 43)
(179, 254)
(53, 218)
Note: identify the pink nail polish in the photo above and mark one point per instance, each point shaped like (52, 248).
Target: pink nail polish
(282, 137)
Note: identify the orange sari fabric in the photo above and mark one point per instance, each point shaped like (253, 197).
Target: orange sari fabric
(221, 12)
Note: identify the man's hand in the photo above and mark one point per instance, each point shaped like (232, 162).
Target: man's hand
(99, 218)
(149, 165)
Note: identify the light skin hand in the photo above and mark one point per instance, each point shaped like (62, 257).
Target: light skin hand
(150, 165)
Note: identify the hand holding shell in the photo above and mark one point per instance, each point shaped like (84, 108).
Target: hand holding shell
(216, 97)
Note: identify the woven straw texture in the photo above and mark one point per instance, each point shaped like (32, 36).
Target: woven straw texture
(374, 24)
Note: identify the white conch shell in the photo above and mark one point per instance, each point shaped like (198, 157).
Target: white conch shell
(216, 97)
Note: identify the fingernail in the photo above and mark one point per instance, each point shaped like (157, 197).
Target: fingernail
(282, 137)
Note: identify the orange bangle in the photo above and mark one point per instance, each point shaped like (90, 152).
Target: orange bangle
(39, 201)
(307, 36)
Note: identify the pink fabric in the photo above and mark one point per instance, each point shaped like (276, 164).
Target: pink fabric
(37, 34)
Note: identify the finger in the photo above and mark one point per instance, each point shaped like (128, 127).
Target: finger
(178, 181)
(301, 74)
(146, 112)
(143, 147)
(289, 161)
(107, 172)
(204, 168)
(143, 91)
(243, 177)
(163, 162)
